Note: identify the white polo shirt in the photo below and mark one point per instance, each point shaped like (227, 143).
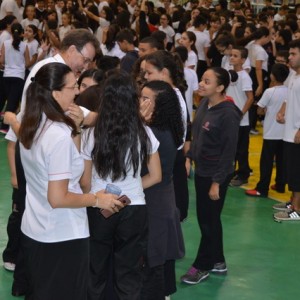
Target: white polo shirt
(292, 111)
(237, 90)
(53, 156)
(272, 99)
(131, 186)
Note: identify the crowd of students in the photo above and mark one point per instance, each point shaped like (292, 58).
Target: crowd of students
(125, 148)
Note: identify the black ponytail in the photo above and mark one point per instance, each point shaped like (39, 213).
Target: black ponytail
(16, 31)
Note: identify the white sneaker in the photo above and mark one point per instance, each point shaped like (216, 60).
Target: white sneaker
(168, 298)
(9, 266)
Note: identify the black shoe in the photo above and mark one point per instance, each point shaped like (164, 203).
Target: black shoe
(219, 268)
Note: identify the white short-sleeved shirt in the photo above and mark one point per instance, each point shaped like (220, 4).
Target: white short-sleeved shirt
(169, 31)
(184, 113)
(131, 186)
(115, 51)
(192, 60)
(4, 36)
(33, 47)
(257, 52)
(272, 99)
(202, 41)
(287, 81)
(26, 22)
(63, 30)
(10, 6)
(191, 79)
(225, 64)
(14, 60)
(237, 90)
(292, 111)
(53, 156)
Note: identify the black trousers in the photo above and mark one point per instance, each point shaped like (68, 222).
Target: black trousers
(13, 251)
(270, 149)
(56, 271)
(242, 153)
(123, 235)
(210, 250)
(2, 91)
(159, 281)
(13, 91)
(201, 68)
(181, 185)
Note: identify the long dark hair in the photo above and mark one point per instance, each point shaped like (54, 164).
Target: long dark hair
(39, 100)
(162, 59)
(167, 110)
(16, 31)
(121, 141)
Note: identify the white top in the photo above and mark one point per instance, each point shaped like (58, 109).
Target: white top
(278, 17)
(287, 81)
(192, 60)
(53, 156)
(191, 79)
(237, 90)
(4, 36)
(272, 99)
(115, 51)
(101, 5)
(202, 41)
(225, 64)
(14, 60)
(183, 113)
(27, 22)
(169, 31)
(63, 30)
(257, 52)
(292, 111)
(10, 6)
(131, 186)
(33, 49)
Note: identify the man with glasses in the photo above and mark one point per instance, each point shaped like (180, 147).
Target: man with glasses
(78, 49)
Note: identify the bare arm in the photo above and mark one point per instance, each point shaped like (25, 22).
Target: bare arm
(86, 178)
(249, 101)
(11, 150)
(27, 58)
(259, 77)
(60, 197)
(154, 176)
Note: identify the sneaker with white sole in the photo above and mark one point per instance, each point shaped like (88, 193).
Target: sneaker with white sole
(9, 266)
(283, 206)
(194, 276)
(287, 216)
(219, 268)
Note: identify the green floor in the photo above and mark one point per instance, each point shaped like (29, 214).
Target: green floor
(263, 256)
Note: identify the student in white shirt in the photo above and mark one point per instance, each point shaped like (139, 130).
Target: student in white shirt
(54, 224)
(242, 94)
(165, 21)
(291, 137)
(269, 104)
(66, 20)
(30, 14)
(202, 44)
(15, 58)
(188, 40)
(114, 152)
(259, 69)
(31, 36)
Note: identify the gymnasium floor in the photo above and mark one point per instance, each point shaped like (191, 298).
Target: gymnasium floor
(263, 256)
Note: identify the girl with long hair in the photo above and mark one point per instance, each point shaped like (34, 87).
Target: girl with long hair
(162, 65)
(188, 40)
(114, 152)
(54, 224)
(165, 241)
(15, 59)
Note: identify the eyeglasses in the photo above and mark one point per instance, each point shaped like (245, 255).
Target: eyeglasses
(74, 87)
(87, 60)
